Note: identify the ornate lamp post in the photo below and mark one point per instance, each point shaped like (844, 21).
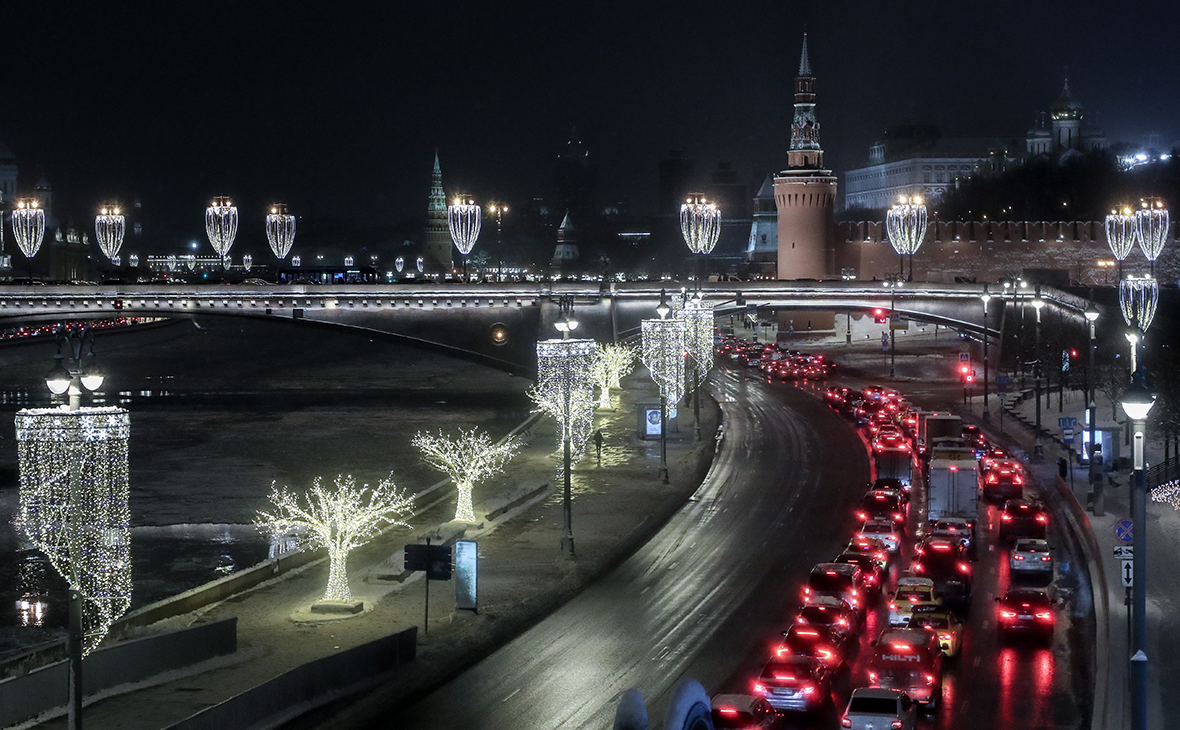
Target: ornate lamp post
(700, 225)
(663, 354)
(905, 224)
(1151, 229)
(566, 391)
(221, 226)
(109, 228)
(1038, 304)
(1137, 401)
(1092, 413)
(985, 297)
(280, 230)
(463, 221)
(28, 227)
(1120, 235)
(892, 281)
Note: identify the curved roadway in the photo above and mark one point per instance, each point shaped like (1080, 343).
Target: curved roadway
(693, 600)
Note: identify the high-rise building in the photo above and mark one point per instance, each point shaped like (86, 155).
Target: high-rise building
(804, 193)
(436, 239)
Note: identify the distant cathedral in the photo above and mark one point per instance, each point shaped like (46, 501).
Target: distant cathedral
(1066, 134)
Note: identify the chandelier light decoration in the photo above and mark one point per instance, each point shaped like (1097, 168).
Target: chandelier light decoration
(191, 262)
(468, 459)
(73, 505)
(28, 226)
(1151, 229)
(221, 225)
(698, 326)
(1120, 235)
(340, 519)
(612, 362)
(117, 261)
(463, 221)
(247, 262)
(399, 263)
(348, 261)
(419, 263)
(296, 260)
(133, 259)
(173, 263)
(663, 354)
(109, 227)
(280, 230)
(1138, 298)
(905, 224)
(700, 224)
(565, 389)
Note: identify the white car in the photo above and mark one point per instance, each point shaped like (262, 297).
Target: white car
(878, 709)
(883, 530)
(1030, 555)
(910, 590)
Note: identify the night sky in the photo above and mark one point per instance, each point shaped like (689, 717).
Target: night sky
(336, 107)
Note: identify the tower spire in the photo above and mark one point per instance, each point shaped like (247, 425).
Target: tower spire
(438, 199)
(805, 151)
(804, 60)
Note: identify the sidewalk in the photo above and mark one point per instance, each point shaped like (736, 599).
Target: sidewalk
(616, 504)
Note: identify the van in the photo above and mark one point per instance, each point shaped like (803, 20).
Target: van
(909, 660)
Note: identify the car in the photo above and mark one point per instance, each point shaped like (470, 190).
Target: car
(892, 483)
(890, 439)
(882, 505)
(872, 572)
(902, 495)
(976, 440)
(886, 531)
(1001, 484)
(909, 660)
(955, 528)
(944, 623)
(831, 613)
(1030, 555)
(1023, 518)
(743, 712)
(910, 591)
(817, 642)
(944, 561)
(1025, 612)
(873, 708)
(870, 546)
(795, 683)
(254, 281)
(839, 580)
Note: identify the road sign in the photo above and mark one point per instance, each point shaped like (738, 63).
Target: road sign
(434, 559)
(898, 321)
(1127, 573)
(1124, 552)
(1002, 383)
(884, 342)
(1070, 423)
(964, 347)
(1067, 436)
(1123, 531)
(1002, 397)
(964, 357)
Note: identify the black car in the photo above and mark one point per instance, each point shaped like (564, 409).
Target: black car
(1025, 612)
(882, 505)
(1023, 518)
(945, 561)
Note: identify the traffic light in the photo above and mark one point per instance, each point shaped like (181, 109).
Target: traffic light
(967, 373)
(879, 316)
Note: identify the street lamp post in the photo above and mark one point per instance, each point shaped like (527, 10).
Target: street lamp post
(1096, 488)
(1137, 401)
(985, 298)
(1037, 304)
(848, 274)
(892, 281)
(663, 354)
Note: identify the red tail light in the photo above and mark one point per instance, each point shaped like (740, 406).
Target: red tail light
(809, 690)
(845, 722)
(1018, 557)
(898, 516)
(892, 606)
(1006, 517)
(930, 679)
(727, 710)
(872, 676)
(964, 567)
(759, 689)
(1043, 519)
(1045, 615)
(1007, 614)
(895, 725)
(1046, 558)
(917, 567)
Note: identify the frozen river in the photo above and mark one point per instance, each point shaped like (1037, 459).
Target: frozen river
(220, 409)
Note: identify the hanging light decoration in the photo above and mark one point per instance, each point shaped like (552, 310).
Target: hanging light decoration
(399, 263)
(172, 262)
(419, 263)
(191, 262)
(28, 226)
(905, 224)
(463, 221)
(221, 225)
(109, 227)
(348, 261)
(227, 261)
(280, 230)
(1138, 298)
(1151, 229)
(698, 323)
(1120, 234)
(663, 354)
(73, 505)
(247, 261)
(565, 388)
(700, 224)
(296, 261)
(117, 261)
(133, 260)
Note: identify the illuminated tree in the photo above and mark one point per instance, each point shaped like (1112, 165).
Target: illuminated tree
(340, 519)
(467, 459)
(610, 364)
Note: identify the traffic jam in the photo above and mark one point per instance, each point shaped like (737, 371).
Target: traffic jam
(889, 630)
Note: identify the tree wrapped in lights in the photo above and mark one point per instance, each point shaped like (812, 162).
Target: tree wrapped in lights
(280, 230)
(1168, 493)
(468, 459)
(73, 505)
(1120, 235)
(28, 226)
(463, 221)
(1151, 229)
(905, 224)
(109, 228)
(612, 362)
(340, 519)
(221, 225)
(565, 389)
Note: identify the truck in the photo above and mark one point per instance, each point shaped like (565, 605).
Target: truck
(933, 426)
(895, 464)
(952, 482)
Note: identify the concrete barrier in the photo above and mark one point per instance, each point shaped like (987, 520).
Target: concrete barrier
(127, 662)
(499, 506)
(305, 687)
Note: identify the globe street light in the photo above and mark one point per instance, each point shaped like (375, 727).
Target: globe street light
(1137, 401)
(1120, 234)
(221, 226)
(280, 230)
(109, 227)
(28, 227)
(905, 224)
(1092, 412)
(1038, 303)
(700, 225)
(463, 222)
(1151, 229)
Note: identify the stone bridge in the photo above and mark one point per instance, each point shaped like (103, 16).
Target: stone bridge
(499, 324)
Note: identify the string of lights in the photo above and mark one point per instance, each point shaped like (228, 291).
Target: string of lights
(468, 459)
(1120, 233)
(612, 362)
(74, 505)
(109, 227)
(1151, 228)
(340, 519)
(565, 390)
(221, 225)
(28, 226)
(663, 354)
(280, 230)
(1138, 298)
(1168, 493)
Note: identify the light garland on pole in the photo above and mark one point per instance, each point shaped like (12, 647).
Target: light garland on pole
(1138, 300)
(612, 362)
(463, 221)
(340, 519)
(221, 225)
(700, 225)
(1120, 235)
(698, 322)
(280, 230)
(468, 459)
(663, 353)
(1151, 228)
(73, 505)
(905, 224)
(28, 226)
(109, 228)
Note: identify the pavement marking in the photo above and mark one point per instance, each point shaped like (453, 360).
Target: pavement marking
(514, 693)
